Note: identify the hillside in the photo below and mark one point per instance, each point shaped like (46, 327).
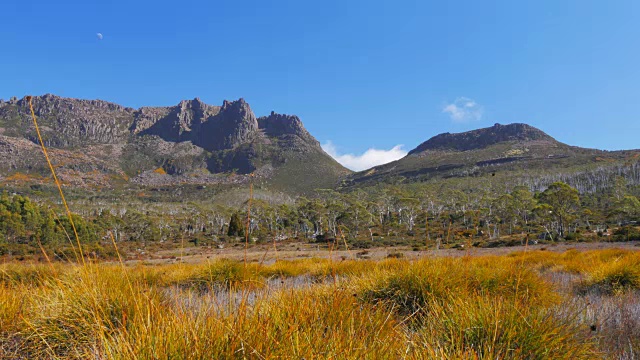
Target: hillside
(514, 149)
(94, 143)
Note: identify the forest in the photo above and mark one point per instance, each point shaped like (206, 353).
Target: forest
(425, 216)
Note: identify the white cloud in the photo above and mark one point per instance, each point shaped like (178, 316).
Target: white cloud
(99, 35)
(464, 110)
(370, 158)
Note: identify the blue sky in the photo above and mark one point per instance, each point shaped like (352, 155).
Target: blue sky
(362, 75)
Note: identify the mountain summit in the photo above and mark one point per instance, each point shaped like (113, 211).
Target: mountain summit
(210, 127)
(192, 142)
(516, 149)
(482, 138)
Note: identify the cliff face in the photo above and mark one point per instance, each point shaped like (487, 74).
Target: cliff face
(72, 122)
(191, 136)
(234, 125)
(67, 122)
(172, 123)
(210, 127)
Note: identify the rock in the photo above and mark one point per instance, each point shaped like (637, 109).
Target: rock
(278, 124)
(235, 124)
(287, 127)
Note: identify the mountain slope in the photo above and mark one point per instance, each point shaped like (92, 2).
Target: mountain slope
(93, 142)
(513, 148)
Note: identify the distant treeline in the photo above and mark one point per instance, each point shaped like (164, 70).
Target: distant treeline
(592, 181)
(381, 215)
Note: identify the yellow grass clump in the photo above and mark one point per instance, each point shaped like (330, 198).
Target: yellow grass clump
(450, 308)
(160, 171)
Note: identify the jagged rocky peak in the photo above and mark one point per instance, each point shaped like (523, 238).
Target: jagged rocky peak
(233, 125)
(281, 124)
(72, 122)
(208, 126)
(239, 107)
(12, 101)
(240, 112)
(482, 138)
(192, 113)
(198, 107)
(195, 103)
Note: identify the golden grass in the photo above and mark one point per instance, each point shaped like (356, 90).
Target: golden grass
(494, 307)
(489, 327)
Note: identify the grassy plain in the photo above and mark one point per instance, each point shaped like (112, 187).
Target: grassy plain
(530, 304)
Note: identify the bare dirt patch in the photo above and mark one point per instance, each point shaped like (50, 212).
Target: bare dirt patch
(266, 253)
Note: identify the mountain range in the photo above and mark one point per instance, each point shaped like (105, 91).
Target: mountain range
(97, 144)
(94, 142)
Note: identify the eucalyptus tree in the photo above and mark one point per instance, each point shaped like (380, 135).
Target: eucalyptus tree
(523, 204)
(382, 208)
(356, 215)
(504, 213)
(563, 202)
(217, 218)
(409, 209)
(626, 208)
(311, 215)
(335, 209)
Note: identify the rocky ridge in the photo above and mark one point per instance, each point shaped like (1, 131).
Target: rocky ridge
(482, 138)
(191, 137)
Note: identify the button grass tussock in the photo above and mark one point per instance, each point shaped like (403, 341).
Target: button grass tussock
(448, 308)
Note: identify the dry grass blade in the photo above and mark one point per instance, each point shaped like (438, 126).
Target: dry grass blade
(55, 178)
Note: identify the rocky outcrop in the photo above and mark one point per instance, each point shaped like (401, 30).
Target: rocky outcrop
(280, 125)
(234, 125)
(210, 127)
(176, 123)
(68, 122)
